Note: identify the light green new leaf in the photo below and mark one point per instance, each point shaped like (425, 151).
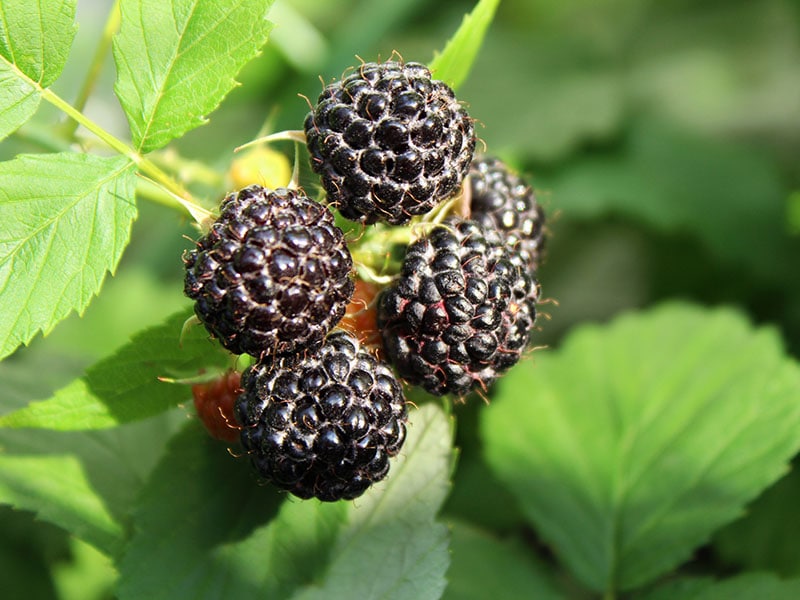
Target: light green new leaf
(64, 221)
(486, 567)
(35, 38)
(57, 488)
(750, 586)
(632, 443)
(125, 387)
(177, 59)
(453, 64)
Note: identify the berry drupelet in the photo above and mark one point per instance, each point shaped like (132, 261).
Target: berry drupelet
(273, 274)
(502, 200)
(389, 142)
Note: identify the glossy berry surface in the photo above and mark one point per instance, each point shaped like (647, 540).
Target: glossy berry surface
(389, 142)
(460, 313)
(325, 426)
(502, 200)
(273, 274)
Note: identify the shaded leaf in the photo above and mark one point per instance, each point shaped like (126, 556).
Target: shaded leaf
(106, 467)
(675, 180)
(35, 38)
(632, 443)
(57, 488)
(64, 221)
(562, 93)
(453, 64)
(177, 59)
(485, 567)
(197, 500)
(125, 387)
(751, 586)
(768, 536)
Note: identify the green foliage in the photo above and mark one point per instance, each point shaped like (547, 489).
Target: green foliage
(64, 222)
(126, 387)
(176, 61)
(768, 536)
(35, 39)
(452, 65)
(224, 536)
(662, 139)
(633, 442)
(673, 180)
(755, 586)
(486, 567)
(58, 489)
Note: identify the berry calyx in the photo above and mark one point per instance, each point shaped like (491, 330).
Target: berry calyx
(273, 275)
(389, 142)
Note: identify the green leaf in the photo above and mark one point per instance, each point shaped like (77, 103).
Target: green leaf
(391, 532)
(225, 536)
(35, 38)
(58, 489)
(768, 537)
(750, 586)
(125, 387)
(198, 499)
(485, 567)
(453, 64)
(632, 443)
(177, 59)
(106, 468)
(64, 221)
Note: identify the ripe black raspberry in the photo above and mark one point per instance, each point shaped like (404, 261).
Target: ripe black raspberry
(461, 311)
(389, 142)
(272, 276)
(326, 426)
(502, 200)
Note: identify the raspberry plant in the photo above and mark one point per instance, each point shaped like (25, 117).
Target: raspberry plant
(615, 463)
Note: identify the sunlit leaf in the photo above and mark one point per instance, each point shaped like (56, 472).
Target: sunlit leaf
(64, 221)
(634, 441)
(177, 59)
(35, 38)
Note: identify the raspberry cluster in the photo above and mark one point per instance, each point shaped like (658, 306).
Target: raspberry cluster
(319, 413)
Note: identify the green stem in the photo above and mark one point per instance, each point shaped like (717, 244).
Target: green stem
(96, 66)
(184, 201)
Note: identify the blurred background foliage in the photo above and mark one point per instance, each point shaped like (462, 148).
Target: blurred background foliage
(663, 138)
